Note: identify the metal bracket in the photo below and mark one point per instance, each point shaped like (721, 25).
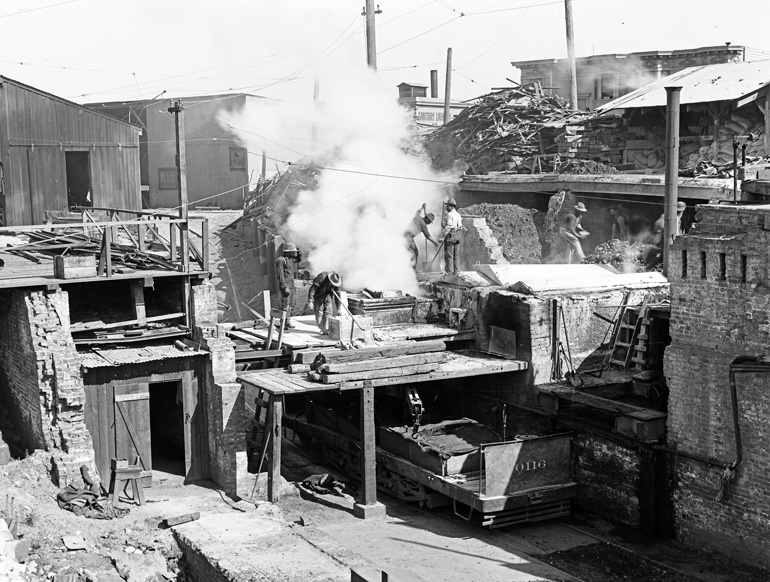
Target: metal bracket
(460, 515)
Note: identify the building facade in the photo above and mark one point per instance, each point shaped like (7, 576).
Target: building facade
(55, 154)
(602, 78)
(216, 159)
(426, 110)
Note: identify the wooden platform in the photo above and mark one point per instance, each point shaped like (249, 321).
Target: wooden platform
(457, 365)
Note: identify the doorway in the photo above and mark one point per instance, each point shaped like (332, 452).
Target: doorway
(78, 166)
(167, 427)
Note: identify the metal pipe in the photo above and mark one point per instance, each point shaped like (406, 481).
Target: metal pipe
(672, 171)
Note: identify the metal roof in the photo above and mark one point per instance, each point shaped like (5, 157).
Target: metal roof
(704, 84)
(118, 356)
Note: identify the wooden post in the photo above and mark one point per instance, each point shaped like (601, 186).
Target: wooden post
(172, 241)
(181, 172)
(367, 505)
(205, 244)
(137, 294)
(108, 250)
(141, 236)
(371, 43)
(448, 85)
(672, 171)
(274, 470)
(271, 255)
(767, 123)
(572, 69)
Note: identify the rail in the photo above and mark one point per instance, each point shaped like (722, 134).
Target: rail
(144, 240)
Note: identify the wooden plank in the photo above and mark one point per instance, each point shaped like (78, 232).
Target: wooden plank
(88, 326)
(382, 363)
(132, 424)
(274, 471)
(137, 295)
(372, 374)
(368, 447)
(179, 519)
(384, 351)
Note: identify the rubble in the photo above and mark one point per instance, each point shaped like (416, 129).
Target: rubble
(505, 130)
(514, 228)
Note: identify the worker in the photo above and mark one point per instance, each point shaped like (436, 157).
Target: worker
(324, 292)
(419, 224)
(571, 232)
(452, 225)
(285, 269)
(619, 223)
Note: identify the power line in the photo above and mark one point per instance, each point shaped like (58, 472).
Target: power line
(501, 37)
(421, 34)
(20, 12)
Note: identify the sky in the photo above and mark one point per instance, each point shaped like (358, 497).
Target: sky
(106, 50)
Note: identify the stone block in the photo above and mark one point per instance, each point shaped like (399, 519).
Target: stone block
(340, 328)
(369, 511)
(74, 266)
(17, 549)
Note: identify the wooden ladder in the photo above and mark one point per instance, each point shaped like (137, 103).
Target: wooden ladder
(630, 336)
(270, 429)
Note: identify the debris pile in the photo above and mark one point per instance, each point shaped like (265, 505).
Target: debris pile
(502, 131)
(514, 229)
(600, 140)
(626, 257)
(576, 166)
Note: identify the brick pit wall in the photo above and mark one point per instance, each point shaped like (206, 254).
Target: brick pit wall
(40, 379)
(720, 302)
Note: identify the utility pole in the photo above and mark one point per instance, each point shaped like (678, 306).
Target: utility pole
(671, 192)
(181, 174)
(573, 100)
(448, 86)
(371, 43)
(316, 102)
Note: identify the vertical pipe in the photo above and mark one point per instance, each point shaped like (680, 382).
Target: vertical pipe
(672, 171)
(181, 172)
(264, 163)
(448, 86)
(573, 101)
(434, 84)
(371, 43)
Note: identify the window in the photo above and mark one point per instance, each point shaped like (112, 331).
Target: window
(237, 158)
(702, 265)
(722, 266)
(743, 268)
(684, 264)
(167, 179)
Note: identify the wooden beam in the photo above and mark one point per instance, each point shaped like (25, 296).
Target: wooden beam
(274, 470)
(137, 295)
(384, 351)
(382, 363)
(74, 328)
(767, 123)
(368, 447)
(372, 374)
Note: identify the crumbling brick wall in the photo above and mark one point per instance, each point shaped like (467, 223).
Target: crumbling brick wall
(41, 378)
(224, 401)
(720, 302)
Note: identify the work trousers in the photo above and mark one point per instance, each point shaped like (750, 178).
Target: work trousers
(323, 310)
(451, 253)
(413, 250)
(286, 301)
(575, 252)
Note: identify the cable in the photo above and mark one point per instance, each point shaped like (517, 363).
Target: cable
(501, 37)
(514, 8)
(419, 35)
(39, 8)
(471, 80)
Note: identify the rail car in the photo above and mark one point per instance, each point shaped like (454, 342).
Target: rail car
(456, 461)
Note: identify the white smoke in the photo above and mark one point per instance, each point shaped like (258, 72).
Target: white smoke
(369, 189)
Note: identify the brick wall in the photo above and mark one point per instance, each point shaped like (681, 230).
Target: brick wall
(225, 409)
(42, 380)
(720, 302)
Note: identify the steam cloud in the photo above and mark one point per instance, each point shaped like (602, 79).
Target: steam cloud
(353, 223)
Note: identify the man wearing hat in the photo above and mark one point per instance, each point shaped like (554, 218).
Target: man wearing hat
(451, 224)
(418, 225)
(285, 268)
(571, 232)
(324, 291)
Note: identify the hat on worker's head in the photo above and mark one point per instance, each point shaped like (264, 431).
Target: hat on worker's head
(451, 202)
(335, 279)
(289, 247)
(680, 206)
(429, 218)
(580, 207)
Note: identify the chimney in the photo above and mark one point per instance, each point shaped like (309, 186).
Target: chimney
(434, 84)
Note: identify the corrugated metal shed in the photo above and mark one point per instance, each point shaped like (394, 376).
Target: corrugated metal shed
(706, 84)
(119, 356)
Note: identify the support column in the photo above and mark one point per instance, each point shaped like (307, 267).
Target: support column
(274, 470)
(367, 506)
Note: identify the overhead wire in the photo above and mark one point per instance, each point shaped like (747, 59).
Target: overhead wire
(20, 12)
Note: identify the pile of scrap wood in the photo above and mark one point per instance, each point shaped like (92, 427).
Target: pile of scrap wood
(333, 366)
(502, 130)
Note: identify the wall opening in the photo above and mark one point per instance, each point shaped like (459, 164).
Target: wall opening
(78, 166)
(167, 427)
(702, 265)
(722, 266)
(684, 264)
(743, 268)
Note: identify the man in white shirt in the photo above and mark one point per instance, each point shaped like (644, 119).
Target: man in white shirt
(452, 224)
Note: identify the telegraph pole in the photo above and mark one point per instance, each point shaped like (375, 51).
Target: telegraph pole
(448, 86)
(573, 100)
(671, 193)
(371, 43)
(181, 174)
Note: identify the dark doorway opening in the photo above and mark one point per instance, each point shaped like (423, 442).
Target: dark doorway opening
(167, 427)
(78, 179)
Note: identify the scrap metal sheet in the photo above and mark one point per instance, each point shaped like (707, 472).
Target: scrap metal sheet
(119, 356)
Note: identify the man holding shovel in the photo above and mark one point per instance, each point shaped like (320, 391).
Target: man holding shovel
(323, 291)
(419, 224)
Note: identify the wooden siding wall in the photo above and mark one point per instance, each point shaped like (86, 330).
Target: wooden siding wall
(208, 161)
(37, 130)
